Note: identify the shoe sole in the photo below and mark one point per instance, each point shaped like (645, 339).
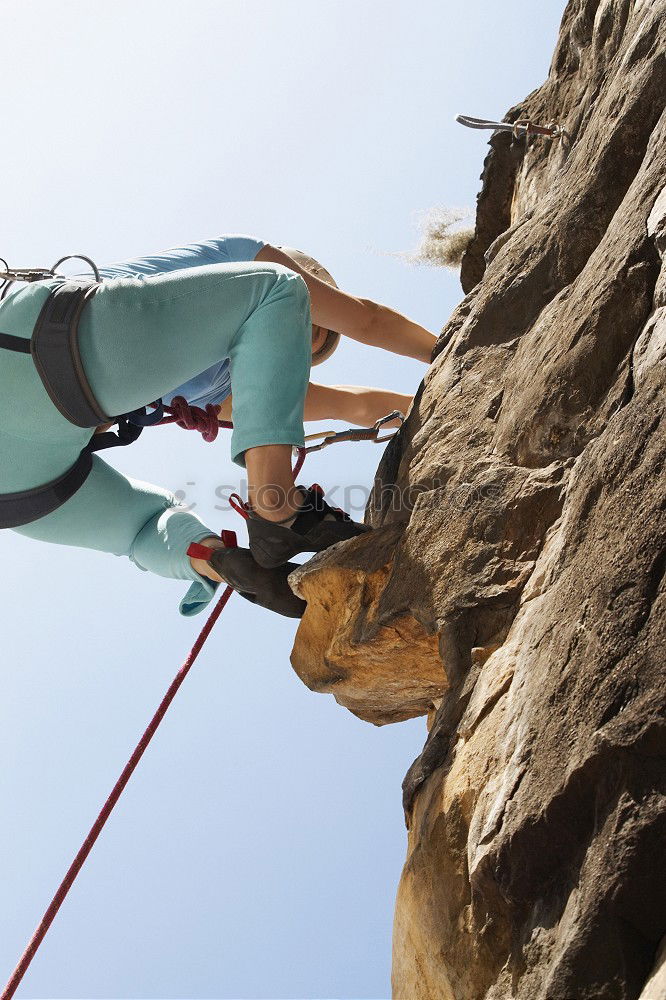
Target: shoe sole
(259, 584)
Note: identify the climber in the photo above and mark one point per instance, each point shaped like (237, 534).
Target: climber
(199, 317)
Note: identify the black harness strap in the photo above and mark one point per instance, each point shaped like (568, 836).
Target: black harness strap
(22, 508)
(11, 343)
(55, 352)
(29, 505)
(127, 433)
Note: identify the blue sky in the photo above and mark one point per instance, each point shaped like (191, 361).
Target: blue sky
(257, 850)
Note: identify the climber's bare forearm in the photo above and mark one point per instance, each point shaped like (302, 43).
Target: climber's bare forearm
(393, 332)
(360, 319)
(355, 404)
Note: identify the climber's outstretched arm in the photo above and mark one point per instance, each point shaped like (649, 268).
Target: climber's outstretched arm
(361, 319)
(356, 404)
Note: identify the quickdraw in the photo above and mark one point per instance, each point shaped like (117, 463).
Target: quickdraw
(355, 433)
(523, 127)
(208, 423)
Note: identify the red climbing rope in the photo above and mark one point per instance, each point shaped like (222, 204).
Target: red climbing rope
(194, 418)
(208, 424)
(98, 825)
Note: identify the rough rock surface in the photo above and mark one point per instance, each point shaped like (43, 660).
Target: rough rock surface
(514, 587)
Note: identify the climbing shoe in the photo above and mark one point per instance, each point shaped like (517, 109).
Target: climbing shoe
(316, 526)
(266, 587)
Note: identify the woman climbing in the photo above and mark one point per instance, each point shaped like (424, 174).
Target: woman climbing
(205, 317)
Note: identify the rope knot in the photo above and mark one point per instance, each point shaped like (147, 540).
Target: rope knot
(194, 418)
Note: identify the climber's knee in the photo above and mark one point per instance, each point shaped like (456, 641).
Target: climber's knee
(291, 282)
(290, 299)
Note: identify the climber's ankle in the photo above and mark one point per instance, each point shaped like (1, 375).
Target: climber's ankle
(201, 566)
(274, 505)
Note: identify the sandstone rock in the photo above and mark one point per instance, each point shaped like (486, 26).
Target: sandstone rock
(655, 988)
(531, 624)
(383, 667)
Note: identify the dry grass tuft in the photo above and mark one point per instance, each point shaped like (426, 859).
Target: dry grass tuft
(442, 245)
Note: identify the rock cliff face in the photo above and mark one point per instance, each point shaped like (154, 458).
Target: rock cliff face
(513, 589)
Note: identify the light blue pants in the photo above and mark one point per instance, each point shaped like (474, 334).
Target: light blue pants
(139, 337)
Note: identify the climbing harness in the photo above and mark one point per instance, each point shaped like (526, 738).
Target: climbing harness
(54, 351)
(53, 348)
(8, 275)
(523, 127)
